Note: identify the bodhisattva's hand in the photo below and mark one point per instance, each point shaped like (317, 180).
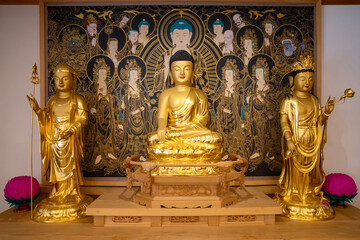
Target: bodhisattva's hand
(329, 107)
(161, 134)
(33, 103)
(66, 134)
(291, 146)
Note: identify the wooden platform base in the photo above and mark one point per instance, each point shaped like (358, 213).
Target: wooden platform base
(114, 208)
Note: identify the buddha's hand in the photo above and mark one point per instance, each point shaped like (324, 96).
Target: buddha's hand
(161, 134)
(33, 103)
(329, 107)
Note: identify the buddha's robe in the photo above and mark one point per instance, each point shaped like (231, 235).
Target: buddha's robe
(187, 132)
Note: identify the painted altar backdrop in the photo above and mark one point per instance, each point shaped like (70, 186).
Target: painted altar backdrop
(242, 58)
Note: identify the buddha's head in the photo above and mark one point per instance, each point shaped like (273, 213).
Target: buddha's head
(143, 27)
(182, 68)
(180, 33)
(218, 27)
(64, 78)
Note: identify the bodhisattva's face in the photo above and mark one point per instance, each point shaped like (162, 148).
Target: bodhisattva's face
(182, 72)
(229, 76)
(102, 75)
(248, 45)
(113, 46)
(181, 38)
(259, 74)
(64, 81)
(304, 81)
(133, 75)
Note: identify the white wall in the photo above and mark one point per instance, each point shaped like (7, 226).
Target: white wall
(340, 65)
(19, 48)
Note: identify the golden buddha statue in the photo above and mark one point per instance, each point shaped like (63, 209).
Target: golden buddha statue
(61, 126)
(183, 136)
(303, 126)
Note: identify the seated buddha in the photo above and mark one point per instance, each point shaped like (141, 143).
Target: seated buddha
(183, 135)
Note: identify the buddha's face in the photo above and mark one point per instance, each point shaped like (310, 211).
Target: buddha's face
(218, 29)
(64, 81)
(181, 38)
(144, 29)
(102, 75)
(113, 46)
(304, 81)
(182, 72)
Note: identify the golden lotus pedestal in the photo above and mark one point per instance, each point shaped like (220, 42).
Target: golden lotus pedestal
(177, 200)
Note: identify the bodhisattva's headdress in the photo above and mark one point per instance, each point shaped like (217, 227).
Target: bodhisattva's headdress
(67, 69)
(303, 64)
(100, 64)
(261, 63)
(230, 64)
(131, 64)
(250, 34)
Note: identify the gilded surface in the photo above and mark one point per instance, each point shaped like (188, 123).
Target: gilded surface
(61, 126)
(121, 53)
(304, 137)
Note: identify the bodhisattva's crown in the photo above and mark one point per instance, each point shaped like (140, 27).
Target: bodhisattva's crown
(304, 64)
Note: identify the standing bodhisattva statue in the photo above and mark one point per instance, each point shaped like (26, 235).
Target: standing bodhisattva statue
(61, 126)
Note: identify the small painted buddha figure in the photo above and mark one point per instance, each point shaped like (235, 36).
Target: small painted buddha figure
(303, 125)
(61, 126)
(183, 135)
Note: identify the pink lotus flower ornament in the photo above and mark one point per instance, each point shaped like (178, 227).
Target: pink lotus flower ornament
(339, 188)
(17, 191)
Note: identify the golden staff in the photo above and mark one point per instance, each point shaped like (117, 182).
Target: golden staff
(34, 79)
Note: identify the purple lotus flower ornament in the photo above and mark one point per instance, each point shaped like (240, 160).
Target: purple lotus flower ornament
(339, 188)
(17, 191)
